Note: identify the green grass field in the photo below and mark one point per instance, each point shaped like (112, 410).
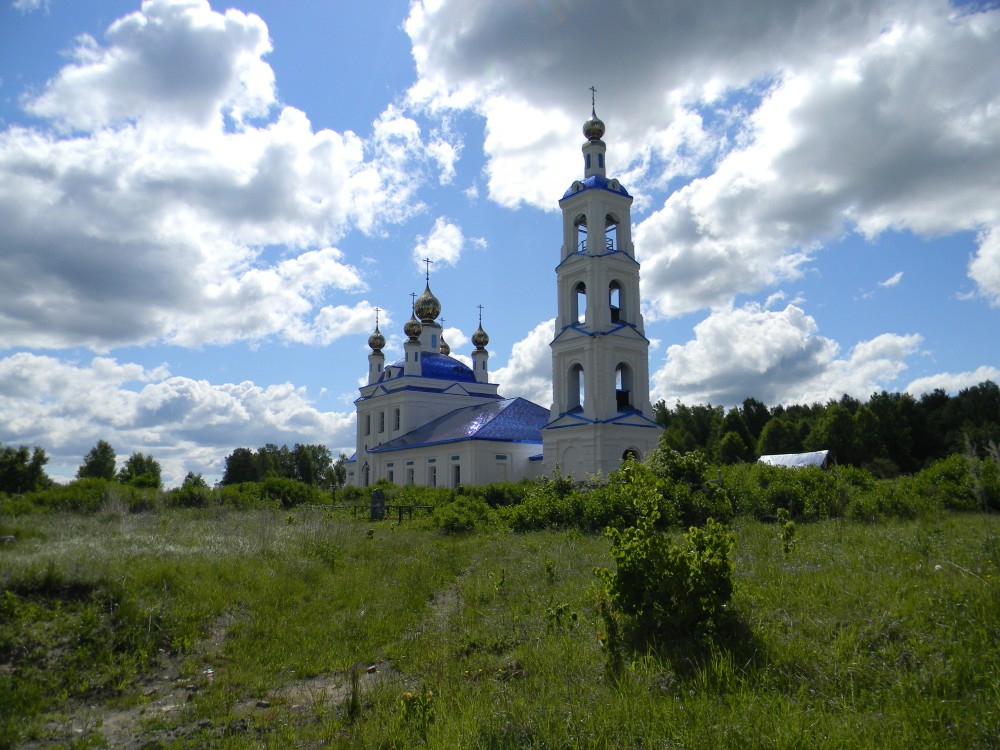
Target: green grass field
(194, 628)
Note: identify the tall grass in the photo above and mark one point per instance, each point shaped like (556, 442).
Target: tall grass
(864, 635)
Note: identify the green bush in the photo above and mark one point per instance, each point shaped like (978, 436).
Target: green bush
(686, 481)
(291, 492)
(948, 483)
(81, 496)
(989, 488)
(462, 515)
(665, 590)
(759, 490)
(245, 496)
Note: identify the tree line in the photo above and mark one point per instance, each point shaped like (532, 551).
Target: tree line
(889, 434)
(22, 469)
(310, 464)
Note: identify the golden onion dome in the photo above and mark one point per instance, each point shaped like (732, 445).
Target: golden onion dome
(444, 348)
(412, 327)
(593, 129)
(376, 341)
(479, 338)
(427, 307)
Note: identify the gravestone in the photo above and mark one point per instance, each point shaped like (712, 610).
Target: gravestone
(378, 504)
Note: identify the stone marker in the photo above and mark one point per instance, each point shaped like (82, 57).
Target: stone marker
(378, 504)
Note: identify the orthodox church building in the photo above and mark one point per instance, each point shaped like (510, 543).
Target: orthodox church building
(429, 419)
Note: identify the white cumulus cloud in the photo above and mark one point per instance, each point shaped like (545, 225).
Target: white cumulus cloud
(776, 356)
(443, 245)
(186, 424)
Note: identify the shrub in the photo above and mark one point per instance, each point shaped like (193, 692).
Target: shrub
(948, 483)
(462, 515)
(245, 496)
(664, 590)
(661, 589)
(687, 483)
(291, 492)
(811, 493)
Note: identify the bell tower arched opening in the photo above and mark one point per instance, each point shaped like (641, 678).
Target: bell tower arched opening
(575, 388)
(610, 234)
(623, 387)
(615, 301)
(580, 222)
(579, 300)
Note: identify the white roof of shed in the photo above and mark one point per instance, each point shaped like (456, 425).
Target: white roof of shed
(796, 460)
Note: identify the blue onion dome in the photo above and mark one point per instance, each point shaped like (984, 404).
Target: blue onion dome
(376, 341)
(593, 129)
(444, 348)
(412, 327)
(479, 338)
(427, 307)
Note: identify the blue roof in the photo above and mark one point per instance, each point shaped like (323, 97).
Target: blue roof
(513, 420)
(596, 181)
(441, 367)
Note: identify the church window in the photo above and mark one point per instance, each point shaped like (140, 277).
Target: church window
(395, 419)
(389, 476)
(588, 161)
(368, 424)
(623, 387)
(409, 476)
(600, 160)
(575, 388)
(432, 476)
(381, 421)
(615, 301)
(456, 475)
(434, 341)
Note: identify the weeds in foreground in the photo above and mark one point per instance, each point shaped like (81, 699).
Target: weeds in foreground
(869, 635)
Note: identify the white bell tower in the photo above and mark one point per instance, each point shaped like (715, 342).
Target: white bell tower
(600, 355)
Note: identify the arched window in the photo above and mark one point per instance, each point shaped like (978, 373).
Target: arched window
(580, 222)
(631, 453)
(610, 233)
(579, 300)
(615, 301)
(575, 388)
(623, 387)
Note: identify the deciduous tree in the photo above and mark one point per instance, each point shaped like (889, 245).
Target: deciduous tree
(99, 463)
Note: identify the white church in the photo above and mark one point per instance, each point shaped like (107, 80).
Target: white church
(428, 419)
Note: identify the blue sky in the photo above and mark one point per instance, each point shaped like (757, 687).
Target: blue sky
(201, 205)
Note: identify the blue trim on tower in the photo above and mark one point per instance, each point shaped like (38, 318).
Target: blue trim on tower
(595, 181)
(584, 254)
